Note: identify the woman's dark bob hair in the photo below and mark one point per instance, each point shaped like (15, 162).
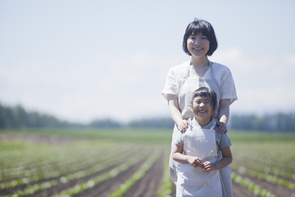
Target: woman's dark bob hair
(204, 27)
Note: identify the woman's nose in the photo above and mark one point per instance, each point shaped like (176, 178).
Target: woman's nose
(197, 41)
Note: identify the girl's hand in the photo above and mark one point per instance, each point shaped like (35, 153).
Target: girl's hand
(183, 125)
(195, 161)
(222, 128)
(208, 166)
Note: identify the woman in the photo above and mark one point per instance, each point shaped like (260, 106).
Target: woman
(182, 80)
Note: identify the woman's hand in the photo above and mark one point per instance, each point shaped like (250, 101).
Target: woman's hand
(223, 115)
(222, 128)
(175, 112)
(183, 125)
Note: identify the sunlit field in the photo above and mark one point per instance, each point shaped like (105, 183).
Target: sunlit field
(130, 162)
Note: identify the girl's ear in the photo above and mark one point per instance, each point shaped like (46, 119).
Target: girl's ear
(215, 107)
(213, 110)
(191, 106)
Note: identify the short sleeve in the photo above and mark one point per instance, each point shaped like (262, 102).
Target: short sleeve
(224, 141)
(170, 84)
(179, 139)
(228, 89)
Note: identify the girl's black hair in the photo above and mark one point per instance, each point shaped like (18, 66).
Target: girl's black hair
(205, 92)
(204, 27)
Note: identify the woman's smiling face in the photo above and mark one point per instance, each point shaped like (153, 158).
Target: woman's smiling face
(198, 45)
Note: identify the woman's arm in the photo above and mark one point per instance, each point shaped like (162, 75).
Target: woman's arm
(179, 157)
(225, 161)
(223, 115)
(175, 112)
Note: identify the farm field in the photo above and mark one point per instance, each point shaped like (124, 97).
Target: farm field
(128, 162)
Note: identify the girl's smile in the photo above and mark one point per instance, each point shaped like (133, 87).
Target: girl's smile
(202, 109)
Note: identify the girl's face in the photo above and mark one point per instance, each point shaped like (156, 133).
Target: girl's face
(198, 45)
(202, 108)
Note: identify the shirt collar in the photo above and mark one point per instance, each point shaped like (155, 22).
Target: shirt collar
(195, 124)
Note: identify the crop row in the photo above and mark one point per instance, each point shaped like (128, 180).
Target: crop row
(31, 156)
(276, 158)
(123, 188)
(49, 170)
(109, 160)
(55, 171)
(266, 177)
(167, 185)
(108, 175)
(256, 189)
(43, 160)
(259, 166)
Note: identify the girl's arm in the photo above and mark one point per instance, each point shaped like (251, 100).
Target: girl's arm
(175, 112)
(225, 161)
(223, 115)
(179, 157)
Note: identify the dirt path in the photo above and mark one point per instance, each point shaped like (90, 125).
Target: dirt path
(107, 187)
(150, 183)
(240, 191)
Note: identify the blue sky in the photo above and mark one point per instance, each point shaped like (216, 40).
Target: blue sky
(82, 60)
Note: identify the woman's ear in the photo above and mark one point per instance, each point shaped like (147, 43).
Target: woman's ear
(191, 106)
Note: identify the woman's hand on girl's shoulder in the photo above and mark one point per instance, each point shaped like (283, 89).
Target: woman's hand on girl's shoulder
(183, 125)
(222, 128)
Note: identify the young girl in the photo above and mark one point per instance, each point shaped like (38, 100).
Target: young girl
(201, 150)
(199, 42)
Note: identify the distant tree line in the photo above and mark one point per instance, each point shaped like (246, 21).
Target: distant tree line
(152, 123)
(268, 122)
(18, 117)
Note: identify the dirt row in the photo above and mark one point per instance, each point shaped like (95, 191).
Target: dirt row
(275, 189)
